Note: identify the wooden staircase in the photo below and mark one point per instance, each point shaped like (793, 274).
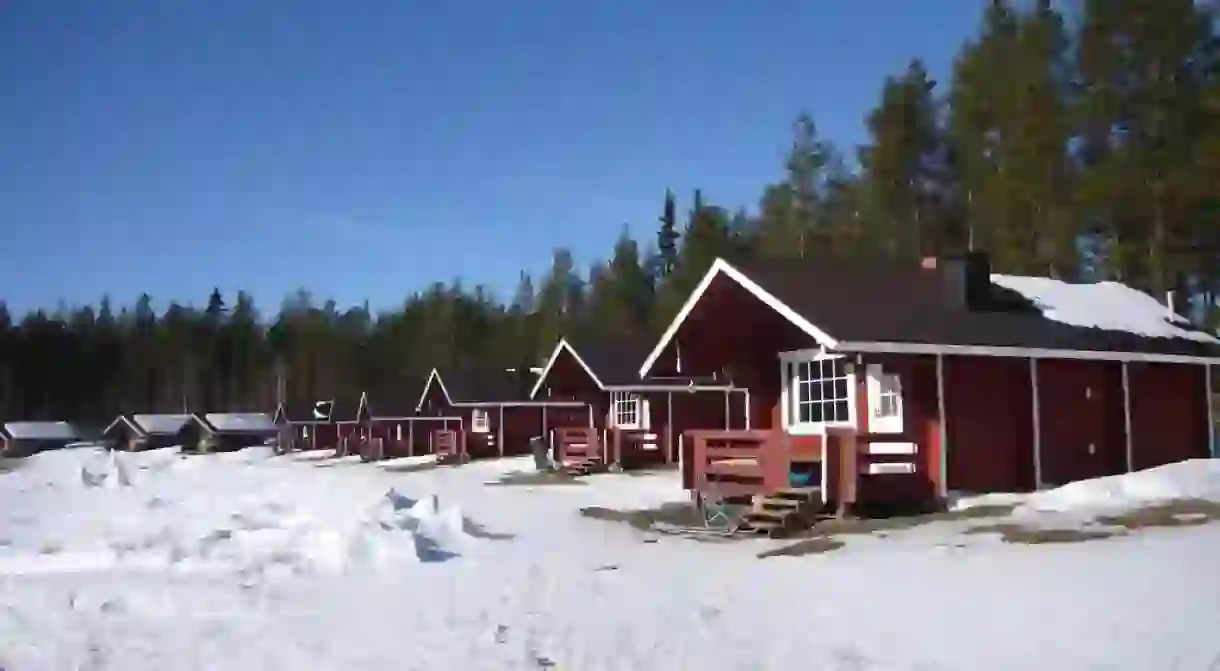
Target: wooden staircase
(785, 511)
(584, 466)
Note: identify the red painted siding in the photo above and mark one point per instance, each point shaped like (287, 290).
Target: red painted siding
(1168, 413)
(989, 404)
(1081, 420)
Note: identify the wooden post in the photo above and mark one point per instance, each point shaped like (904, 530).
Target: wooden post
(1033, 385)
(942, 488)
(1211, 413)
(849, 470)
(669, 427)
(500, 436)
(1127, 418)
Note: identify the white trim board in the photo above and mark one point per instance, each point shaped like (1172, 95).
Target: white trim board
(130, 424)
(674, 388)
(434, 375)
(1019, 352)
(546, 370)
(722, 267)
(519, 404)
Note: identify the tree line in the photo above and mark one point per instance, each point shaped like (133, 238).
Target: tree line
(1082, 145)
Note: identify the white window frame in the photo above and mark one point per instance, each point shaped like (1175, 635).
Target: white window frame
(480, 420)
(789, 362)
(883, 387)
(625, 404)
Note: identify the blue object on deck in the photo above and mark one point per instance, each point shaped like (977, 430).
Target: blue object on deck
(799, 479)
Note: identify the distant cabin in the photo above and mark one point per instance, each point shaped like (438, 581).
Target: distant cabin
(144, 431)
(19, 439)
(226, 431)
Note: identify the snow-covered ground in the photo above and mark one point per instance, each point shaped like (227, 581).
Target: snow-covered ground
(251, 561)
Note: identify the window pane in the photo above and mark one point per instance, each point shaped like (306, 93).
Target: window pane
(815, 412)
(839, 366)
(828, 389)
(840, 388)
(840, 411)
(802, 370)
(890, 383)
(813, 391)
(803, 413)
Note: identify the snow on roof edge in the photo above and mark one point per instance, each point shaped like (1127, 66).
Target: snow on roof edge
(1111, 306)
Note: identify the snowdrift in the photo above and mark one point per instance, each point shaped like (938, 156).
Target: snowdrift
(1194, 479)
(92, 508)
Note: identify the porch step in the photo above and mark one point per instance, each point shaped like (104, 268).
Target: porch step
(797, 493)
(785, 511)
(774, 503)
(584, 467)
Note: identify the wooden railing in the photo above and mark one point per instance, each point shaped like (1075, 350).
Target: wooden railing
(736, 463)
(449, 445)
(860, 469)
(875, 470)
(635, 448)
(577, 443)
(483, 444)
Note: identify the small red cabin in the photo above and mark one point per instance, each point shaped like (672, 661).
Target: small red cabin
(306, 426)
(388, 428)
(494, 415)
(636, 422)
(947, 377)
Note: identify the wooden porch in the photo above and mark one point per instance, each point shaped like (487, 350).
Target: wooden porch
(843, 472)
(583, 450)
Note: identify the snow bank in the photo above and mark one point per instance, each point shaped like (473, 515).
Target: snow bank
(244, 511)
(1194, 479)
(1105, 305)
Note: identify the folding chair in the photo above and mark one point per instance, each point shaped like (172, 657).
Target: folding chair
(717, 513)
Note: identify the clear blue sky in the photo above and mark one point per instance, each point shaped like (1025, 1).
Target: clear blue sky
(365, 149)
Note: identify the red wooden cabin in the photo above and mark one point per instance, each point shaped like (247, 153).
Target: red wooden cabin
(634, 422)
(495, 416)
(307, 426)
(945, 376)
(394, 428)
(347, 415)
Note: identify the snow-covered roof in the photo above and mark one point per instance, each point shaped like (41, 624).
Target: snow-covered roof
(1109, 306)
(241, 421)
(160, 423)
(42, 431)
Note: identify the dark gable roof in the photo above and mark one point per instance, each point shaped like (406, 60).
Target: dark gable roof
(299, 412)
(613, 361)
(879, 300)
(616, 363)
(345, 409)
(393, 401)
(486, 385)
